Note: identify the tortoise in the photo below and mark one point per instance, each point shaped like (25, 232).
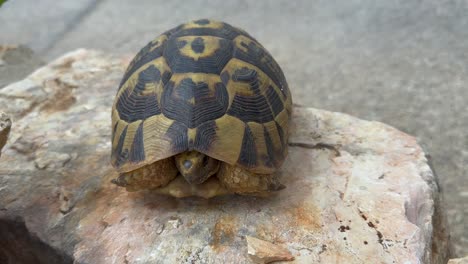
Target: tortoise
(203, 109)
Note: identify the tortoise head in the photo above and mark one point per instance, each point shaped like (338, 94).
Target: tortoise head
(195, 166)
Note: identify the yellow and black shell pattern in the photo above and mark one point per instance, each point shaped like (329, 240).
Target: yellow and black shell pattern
(205, 86)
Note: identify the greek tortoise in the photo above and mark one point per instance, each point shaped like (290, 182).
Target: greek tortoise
(203, 99)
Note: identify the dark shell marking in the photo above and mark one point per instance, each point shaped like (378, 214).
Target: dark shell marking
(184, 87)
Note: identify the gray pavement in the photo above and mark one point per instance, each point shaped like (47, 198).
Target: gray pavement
(402, 62)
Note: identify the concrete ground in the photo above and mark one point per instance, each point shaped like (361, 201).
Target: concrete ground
(402, 62)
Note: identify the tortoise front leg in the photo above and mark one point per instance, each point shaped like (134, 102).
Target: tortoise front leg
(151, 176)
(241, 181)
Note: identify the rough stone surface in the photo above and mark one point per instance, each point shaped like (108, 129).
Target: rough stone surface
(261, 251)
(5, 126)
(459, 261)
(356, 190)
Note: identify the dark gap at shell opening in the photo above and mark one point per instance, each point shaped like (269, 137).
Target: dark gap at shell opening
(205, 161)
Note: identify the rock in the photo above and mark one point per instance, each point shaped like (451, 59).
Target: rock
(5, 126)
(356, 191)
(459, 261)
(51, 160)
(174, 222)
(265, 252)
(65, 201)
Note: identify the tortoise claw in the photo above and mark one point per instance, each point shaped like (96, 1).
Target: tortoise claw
(120, 181)
(276, 187)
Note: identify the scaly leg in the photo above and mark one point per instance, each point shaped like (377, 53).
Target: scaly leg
(241, 181)
(151, 176)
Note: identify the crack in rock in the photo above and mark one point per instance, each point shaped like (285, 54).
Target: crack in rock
(16, 237)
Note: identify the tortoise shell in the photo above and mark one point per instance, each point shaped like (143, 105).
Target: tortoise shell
(205, 86)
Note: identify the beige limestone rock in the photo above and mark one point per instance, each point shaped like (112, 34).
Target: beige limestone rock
(459, 261)
(356, 191)
(261, 251)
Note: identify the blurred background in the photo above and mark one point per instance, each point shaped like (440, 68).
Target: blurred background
(402, 62)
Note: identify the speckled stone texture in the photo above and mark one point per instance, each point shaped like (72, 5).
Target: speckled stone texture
(357, 191)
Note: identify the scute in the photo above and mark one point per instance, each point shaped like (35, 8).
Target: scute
(139, 104)
(148, 53)
(184, 54)
(205, 86)
(193, 103)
